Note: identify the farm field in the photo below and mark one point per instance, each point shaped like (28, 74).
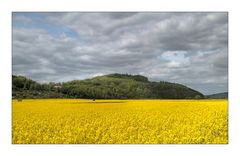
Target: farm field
(79, 121)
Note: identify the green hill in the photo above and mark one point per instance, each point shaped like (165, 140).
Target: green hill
(112, 86)
(223, 95)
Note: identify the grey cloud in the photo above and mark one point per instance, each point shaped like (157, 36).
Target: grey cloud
(127, 43)
(121, 15)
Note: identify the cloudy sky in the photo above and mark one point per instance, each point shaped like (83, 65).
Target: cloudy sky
(187, 48)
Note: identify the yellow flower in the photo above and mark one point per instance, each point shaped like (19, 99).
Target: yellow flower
(78, 121)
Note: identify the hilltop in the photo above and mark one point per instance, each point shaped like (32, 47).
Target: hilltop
(112, 86)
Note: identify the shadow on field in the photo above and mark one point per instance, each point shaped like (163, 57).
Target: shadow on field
(95, 102)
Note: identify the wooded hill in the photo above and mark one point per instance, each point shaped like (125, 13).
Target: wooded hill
(223, 95)
(112, 86)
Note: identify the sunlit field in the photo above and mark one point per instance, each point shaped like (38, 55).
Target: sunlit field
(75, 121)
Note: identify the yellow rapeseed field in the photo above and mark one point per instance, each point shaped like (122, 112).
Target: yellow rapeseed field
(76, 121)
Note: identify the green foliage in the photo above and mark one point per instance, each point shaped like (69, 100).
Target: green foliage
(223, 95)
(113, 86)
(128, 76)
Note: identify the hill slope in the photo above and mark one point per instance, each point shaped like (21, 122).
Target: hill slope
(112, 86)
(223, 95)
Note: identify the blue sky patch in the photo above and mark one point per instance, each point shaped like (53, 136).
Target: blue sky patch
(39, 21)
